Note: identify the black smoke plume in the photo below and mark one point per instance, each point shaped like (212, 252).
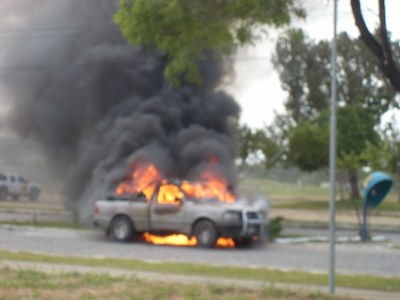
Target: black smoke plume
(96, 103)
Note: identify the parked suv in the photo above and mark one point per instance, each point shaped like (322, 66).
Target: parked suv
(16, 186)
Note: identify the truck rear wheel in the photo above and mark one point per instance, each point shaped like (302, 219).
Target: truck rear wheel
(205, 233)
(121, 229)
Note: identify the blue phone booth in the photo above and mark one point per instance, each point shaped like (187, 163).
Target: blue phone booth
(376, 186)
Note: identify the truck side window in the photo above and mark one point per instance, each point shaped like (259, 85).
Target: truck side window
(169, 194)
(12, 178)
(3, 177)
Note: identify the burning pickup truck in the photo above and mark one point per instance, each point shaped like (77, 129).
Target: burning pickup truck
(196, 211)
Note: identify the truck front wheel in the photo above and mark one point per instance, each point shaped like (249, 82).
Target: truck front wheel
(121, 229)
(205, 233)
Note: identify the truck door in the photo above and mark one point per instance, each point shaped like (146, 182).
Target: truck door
(167, 211)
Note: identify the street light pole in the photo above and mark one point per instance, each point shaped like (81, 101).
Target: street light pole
(332, 158)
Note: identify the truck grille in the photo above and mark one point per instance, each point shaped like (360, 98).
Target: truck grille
(252, 216)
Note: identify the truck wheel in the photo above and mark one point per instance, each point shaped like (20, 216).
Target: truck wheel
(3, 193)
(33, 194)
(205, 233)
(121, 229)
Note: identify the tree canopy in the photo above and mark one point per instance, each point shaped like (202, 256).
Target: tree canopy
(364, 94)
(184, 30)
(304, 69)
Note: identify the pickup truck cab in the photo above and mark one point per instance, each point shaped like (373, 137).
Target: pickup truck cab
(160, 214)
(16, 186)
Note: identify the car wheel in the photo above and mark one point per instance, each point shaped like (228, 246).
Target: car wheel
(33, 194)
(3, 193)
(205, 234)
(121, 229)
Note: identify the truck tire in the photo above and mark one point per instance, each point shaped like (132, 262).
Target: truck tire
(3, 193)
(33, 194)
(205, 234)
(121, 229)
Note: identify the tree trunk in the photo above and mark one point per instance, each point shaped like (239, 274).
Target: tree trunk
(342, 179)
(382, 51)
(353, 180)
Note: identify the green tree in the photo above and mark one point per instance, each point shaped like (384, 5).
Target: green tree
(304, 68)
(308, 142)
(363, 96)
(185, 30)
(258, 143)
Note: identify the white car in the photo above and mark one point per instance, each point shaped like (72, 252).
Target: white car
(16, 186)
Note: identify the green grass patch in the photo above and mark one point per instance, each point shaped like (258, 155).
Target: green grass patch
(28, 284)
(274, 188)
(268, 275)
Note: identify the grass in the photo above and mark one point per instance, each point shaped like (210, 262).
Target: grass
(278, 189)
(29, 284)
(268, 275)
(293, 192)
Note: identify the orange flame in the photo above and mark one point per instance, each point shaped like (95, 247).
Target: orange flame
(143, 179)
(211, 186)
(183, 240)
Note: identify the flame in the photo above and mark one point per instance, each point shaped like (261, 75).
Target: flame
(142, 180)
(183, 240)
(169, 194)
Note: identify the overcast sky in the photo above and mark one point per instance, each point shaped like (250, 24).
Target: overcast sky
(256, 85)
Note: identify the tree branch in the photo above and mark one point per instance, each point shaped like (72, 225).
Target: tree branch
(382, 52)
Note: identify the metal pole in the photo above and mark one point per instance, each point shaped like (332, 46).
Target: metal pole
(332, 158)
(364, 228)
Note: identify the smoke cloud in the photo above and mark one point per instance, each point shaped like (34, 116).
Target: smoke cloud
(96, 104)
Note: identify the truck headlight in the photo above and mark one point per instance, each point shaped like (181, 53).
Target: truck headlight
(232, 216)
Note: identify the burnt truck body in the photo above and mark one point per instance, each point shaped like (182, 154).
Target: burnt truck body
(205, 219)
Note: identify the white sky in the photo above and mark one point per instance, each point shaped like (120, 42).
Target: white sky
(256, 85)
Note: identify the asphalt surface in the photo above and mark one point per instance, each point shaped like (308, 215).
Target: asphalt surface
(381, 258)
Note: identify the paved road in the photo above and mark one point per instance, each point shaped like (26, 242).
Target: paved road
(376, 258)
